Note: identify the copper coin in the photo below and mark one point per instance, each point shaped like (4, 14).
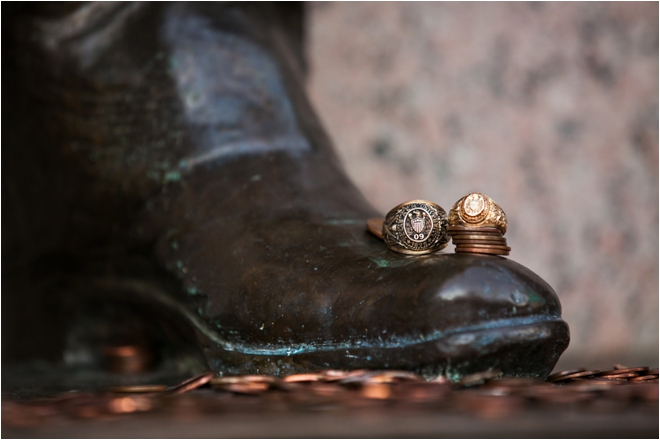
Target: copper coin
(128, 358)
(226, 380)
(375, 226)
(653, 371)
(479, 237)
(246, 387)
(643, 378)
(332, 375)
(579, 374)
(625, 370)
(392, 376)
(139, 389)
(596, 381)
(619, 376)
(379, 378)
(474, 229)
(475, 249)
(253, 378)
(304, 377)
(488, 242)
(471, 250)
(488, 246)
(192, 383)
(554, 376)
(376, 391)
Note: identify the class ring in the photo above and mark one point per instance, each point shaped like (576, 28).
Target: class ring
(477, 210)
(415, 228)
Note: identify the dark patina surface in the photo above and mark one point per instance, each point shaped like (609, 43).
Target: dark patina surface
(168, 184)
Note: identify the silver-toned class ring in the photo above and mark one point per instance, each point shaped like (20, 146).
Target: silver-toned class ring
(415, 228)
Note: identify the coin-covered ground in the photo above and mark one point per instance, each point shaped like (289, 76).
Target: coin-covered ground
(621, 402)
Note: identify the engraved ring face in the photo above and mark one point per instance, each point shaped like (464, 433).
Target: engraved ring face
(416, 227)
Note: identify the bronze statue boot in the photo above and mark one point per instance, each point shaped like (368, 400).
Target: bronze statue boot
(182, 168)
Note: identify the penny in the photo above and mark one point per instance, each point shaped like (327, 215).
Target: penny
(477, 249)
(643, 378)
(619, 376)
(653, 371)
(128, 358)
(375, 226)
(471, 250)
(332, 375)
(400, 374)
(474, 229)
(124, 405)
(600, 382)
(192, 383)
(624, 370)
(381, 378)
(246, 387)
(226, 380)
(486, 242)
(487, 246)
(304, 377)
(254, 378)
(392, 376)
(554, 376)
(579, 374)
(139, 389)
(325, 389)
(376, 391)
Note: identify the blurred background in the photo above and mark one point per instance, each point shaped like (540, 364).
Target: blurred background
(551, 109)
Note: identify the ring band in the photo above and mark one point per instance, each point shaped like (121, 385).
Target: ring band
(415, 228)
(476, 210)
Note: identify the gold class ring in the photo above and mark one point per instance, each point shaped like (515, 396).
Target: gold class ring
(476, 210)
(415, 228)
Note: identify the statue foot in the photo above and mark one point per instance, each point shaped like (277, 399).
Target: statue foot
(196, 150)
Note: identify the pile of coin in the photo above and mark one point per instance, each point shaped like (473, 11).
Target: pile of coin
(487, 394)
(478, 240)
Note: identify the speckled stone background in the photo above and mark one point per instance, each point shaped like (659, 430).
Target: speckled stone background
(549, 108)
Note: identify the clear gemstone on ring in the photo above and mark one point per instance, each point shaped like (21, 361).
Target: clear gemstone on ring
(474, 204)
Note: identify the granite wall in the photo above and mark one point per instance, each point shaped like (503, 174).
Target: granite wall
(549, 108)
